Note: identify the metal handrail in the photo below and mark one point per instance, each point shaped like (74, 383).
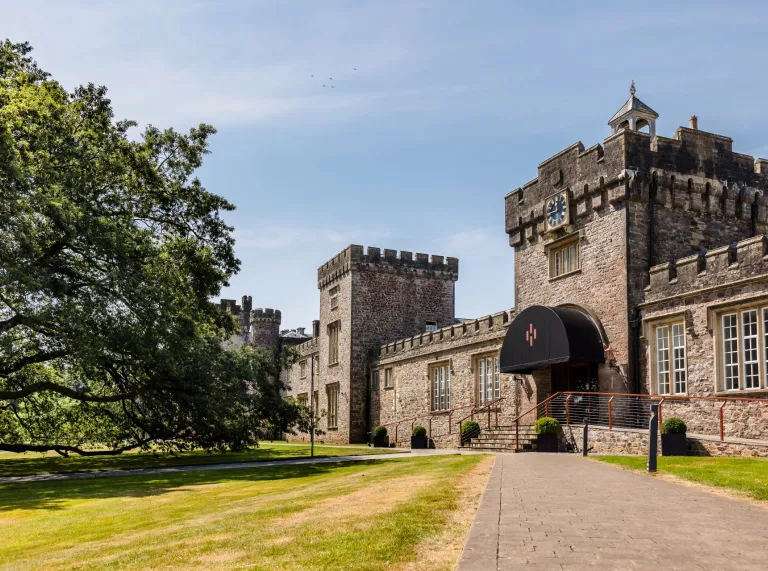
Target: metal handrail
(431, 414)
(485, 406)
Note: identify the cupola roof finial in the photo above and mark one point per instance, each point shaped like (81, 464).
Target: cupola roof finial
(632, 89)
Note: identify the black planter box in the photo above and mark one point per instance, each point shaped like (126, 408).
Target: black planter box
(674, 445)
(546, 443)
(381, 441)
(419, 441)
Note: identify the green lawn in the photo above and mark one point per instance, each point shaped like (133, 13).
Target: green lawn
(746, 475)
(409, 513)
(33, 463)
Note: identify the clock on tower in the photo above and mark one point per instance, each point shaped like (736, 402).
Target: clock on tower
(556, 210)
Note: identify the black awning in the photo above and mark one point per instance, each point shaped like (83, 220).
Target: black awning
(540, 336)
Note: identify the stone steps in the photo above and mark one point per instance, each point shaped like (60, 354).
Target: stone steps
(503, 438)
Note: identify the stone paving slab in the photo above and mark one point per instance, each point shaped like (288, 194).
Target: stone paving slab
(561, 511)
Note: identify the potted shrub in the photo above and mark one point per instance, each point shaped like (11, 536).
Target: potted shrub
(469, 430)
(673, 439)
(380, 438)
(419, 437)
(548, 431)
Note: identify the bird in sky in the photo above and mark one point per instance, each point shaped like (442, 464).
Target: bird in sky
(332, 87)
(323, 84)
(330, 78)
(354, 68)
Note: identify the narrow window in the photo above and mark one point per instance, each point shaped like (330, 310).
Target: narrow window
(333, 294)
(678, 356)
(730, 352)
(662, 359)
(488, 385)
(387, 378)
(765, 344)
(333, 343)
(430, 326)
(316, 405)
(332, 392)
(564, 259)
(302, 399)
(750, 352)
(375, 380)
(496, 384)
(303, 369)
(441, 387)
(481, 380)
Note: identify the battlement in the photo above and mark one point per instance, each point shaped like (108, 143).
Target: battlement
(359, 258)
(695, 170)
(308, 347)
(266, 313)
(466, 331)
(230, 306)
(718, 266)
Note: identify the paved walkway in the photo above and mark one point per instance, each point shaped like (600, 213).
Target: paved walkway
(561, 511)
(229, 466)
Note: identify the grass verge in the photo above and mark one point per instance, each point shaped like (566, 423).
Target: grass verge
(362, 515)
(34, 463)
(747, 476)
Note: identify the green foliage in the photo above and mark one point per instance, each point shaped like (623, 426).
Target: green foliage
(469, 428)
(419, 431)
(673, 425)
(380, 431)
(547, 425)
(111, 250)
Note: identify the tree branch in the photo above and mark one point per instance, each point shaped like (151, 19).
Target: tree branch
(62, 390)
(64, 449)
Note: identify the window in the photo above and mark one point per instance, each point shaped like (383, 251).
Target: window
(487, 378)
(316, 405)
(671, 370)
(303, 369)
(334, 297)
(744, 349)
(375, 380)
(333, 343)
(332, 392)
(441, 386)
(388, 378)
(431, 326)
(564, 258)
(302, 399)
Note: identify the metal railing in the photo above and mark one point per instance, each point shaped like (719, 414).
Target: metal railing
(429, 417)
(485, 410)
(739, 417)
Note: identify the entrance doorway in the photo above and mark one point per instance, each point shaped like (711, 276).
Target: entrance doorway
(574, 377)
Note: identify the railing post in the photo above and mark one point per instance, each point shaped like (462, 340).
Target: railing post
(497, 413)
(489, 417)
(397, 425)
(610, 413)
(430, 430)
(567, 410)
(659, 414)
(722, 428)
(517, 440)
(546, 408)
(450, 422)
(585, 439)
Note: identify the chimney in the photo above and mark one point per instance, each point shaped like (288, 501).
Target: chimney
(694, 124)
(316, 329)
(300, 330)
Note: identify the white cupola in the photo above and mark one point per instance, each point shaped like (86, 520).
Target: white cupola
(634, 115)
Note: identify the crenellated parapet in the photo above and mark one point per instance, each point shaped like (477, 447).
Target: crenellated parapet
(358, 258)
(465, 331)
(309, 347)
(695, 171)
(717, 267)
(266, 314)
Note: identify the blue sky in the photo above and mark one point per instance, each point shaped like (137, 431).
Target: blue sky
(453, 104)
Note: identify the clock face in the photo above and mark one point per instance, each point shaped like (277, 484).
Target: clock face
(556, 209)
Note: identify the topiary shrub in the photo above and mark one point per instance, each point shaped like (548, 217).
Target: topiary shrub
(380, 431)
(673, 425)
(547, 425)
(419, 431)
(469, 428)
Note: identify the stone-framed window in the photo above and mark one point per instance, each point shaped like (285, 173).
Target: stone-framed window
(302, 398)
(487, 378)
(440, 385)
(430, 326)
(333, 296)
(670, 371)
(333, 342)
(388, 378)
(741, 340)
(332, 393)
(303, 369)
(316, 406)
(375, 380)
(564, 256)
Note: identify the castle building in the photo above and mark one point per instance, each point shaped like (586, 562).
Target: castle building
(641, 267)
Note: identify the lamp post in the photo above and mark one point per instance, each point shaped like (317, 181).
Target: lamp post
(312, 408)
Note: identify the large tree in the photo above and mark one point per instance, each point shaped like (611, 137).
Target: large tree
(110, 250)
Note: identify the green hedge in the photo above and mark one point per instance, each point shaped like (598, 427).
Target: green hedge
(470, 427)
(380, 431)
(547, 425)
(419, 431)
(673, 425)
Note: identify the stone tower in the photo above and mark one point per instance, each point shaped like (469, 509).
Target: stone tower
(366, 299)
(265, 329)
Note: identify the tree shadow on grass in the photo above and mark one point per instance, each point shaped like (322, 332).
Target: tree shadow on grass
(53, 494)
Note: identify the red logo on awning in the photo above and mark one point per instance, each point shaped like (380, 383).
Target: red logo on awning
(530, 335)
